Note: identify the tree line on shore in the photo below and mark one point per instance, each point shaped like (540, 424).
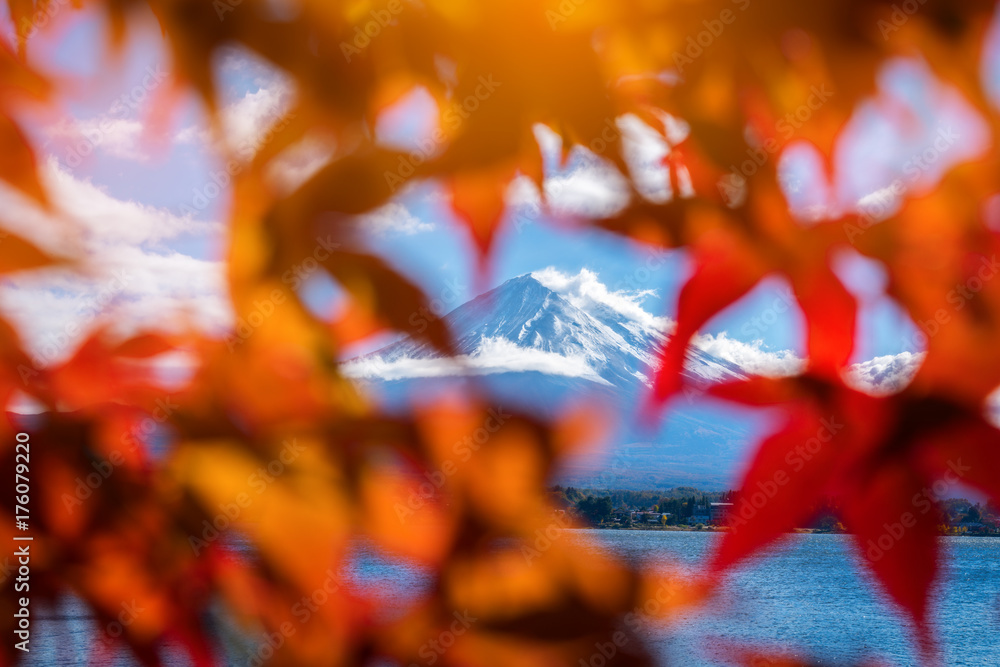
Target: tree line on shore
(595, 507)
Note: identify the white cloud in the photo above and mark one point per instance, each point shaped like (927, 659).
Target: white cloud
(592, 189)
(880, 204)
(245, 122)
(589, 186)
(992, 411)
(391, 219)
(105, 220)
(878, 376)
(248, 114)
(522, 193)
(118, 131)
(115, 136)
(584, 290)
(126, 270)
(493, 355)
(298, 163)
(645, 151)
(751, 357)
(884, 375)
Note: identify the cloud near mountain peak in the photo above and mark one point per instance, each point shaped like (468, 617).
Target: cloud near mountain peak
(585, 291)
(494, 355)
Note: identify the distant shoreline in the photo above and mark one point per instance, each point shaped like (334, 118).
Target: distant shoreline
(725, 529)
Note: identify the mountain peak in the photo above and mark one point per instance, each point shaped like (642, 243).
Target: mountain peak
(524, 325)
(524, 281)
(544, 348)
(524, 284)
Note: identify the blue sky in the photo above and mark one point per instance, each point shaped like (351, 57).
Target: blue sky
(175, 248)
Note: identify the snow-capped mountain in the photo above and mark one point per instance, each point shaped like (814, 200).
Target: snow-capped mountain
(538, 349)
(522, 325)
(542, 341)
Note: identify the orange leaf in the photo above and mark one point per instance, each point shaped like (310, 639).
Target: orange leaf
(17, 161)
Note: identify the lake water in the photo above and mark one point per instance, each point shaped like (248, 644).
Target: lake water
(808, 592)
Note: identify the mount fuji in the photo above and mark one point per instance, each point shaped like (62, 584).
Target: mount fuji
(545, 341)
(539, 350)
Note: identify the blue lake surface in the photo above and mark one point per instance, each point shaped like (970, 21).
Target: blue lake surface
(809, 593)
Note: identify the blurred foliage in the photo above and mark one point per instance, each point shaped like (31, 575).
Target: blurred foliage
(348, 473)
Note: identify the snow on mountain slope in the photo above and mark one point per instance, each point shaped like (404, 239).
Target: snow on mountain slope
(542, 349)
(522, 325)
(541, 342)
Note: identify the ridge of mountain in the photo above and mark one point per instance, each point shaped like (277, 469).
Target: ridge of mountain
(525, 313)
(533, 348)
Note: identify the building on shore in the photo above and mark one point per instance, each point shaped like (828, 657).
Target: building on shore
(719, 512)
